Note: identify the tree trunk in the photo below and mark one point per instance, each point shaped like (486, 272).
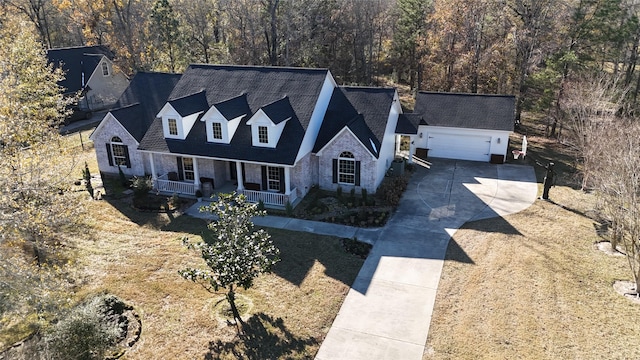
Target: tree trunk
(231, 298)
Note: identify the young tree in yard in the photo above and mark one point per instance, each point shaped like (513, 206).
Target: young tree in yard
(33, 169)
(590, 102)
(618, 185)
(237, 254)
(34, 173)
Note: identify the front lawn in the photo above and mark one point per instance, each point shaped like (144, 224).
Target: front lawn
(136, 256)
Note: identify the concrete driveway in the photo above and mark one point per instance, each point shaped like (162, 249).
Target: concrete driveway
(387, 313)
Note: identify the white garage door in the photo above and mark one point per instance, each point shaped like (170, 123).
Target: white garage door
(456, 146)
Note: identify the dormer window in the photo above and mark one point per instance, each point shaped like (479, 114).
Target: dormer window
(263, 134)
(216, 130)
(268, 123)
(179, 115)
(223, 118)
(105, 69)
(173, 126)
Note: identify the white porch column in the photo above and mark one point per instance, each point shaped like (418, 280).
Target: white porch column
(196, 174)
(239, 176)
(398, 140)
(154, 177)
(412, 148)
(287, 180)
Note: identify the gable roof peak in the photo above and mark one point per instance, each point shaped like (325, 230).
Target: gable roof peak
(279, 110)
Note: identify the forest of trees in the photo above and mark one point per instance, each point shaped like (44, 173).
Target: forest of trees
(528, 48)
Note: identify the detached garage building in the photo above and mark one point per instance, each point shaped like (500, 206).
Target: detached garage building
(460, 126)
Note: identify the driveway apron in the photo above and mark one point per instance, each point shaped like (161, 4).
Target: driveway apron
(387, 312)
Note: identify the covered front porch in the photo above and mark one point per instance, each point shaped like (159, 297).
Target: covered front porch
(258, 182)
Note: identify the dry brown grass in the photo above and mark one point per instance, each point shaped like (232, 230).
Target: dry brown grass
(136, 256)
(537, 288)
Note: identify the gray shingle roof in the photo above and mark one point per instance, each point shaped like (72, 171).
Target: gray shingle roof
(408, 123)
(75, 61)
(364, 110)
(261, 86)
(474, 111)
(279, 111)
(142, 100)
(190, 104)
(234, 107)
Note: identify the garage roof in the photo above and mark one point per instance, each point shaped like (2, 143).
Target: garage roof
(460, 110)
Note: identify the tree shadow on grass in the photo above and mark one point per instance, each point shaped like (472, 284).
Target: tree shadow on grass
(299, 252)
(263, 337)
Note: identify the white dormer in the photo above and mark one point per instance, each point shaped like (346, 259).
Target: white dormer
(268, 123)
(176, 125)
(219, 128)
(264, 132)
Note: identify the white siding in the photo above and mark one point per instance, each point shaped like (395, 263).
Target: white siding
(388, 148)
(316, 118)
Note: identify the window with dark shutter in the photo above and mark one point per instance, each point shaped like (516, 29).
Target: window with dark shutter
(118, 153)
(347, 169)
(109, 155)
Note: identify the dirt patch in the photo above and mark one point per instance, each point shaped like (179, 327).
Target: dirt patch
(606, 248)
(221, 310)
(627, 289)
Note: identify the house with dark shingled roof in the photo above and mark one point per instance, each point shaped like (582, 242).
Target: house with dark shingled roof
(270, 133)
(89, 71)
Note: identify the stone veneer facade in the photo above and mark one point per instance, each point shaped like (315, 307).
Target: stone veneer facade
(111, 128)
(346, 141)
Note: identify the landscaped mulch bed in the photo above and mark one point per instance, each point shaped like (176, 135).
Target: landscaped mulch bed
(354, 209)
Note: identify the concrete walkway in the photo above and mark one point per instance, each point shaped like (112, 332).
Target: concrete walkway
(387, 312)
(366, 235)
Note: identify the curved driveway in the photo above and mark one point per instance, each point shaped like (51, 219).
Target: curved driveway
(387, 313)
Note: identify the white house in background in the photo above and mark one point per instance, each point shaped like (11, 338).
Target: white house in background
(269, 132)
(89, 70)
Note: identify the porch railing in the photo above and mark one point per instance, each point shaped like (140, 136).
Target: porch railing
(178, 187)
(270, 198)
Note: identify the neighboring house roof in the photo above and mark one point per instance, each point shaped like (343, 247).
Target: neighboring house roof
(142, 100)
(77, 61)
(364, 110)
(260, 86)
(408, 123)
(474, 111)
